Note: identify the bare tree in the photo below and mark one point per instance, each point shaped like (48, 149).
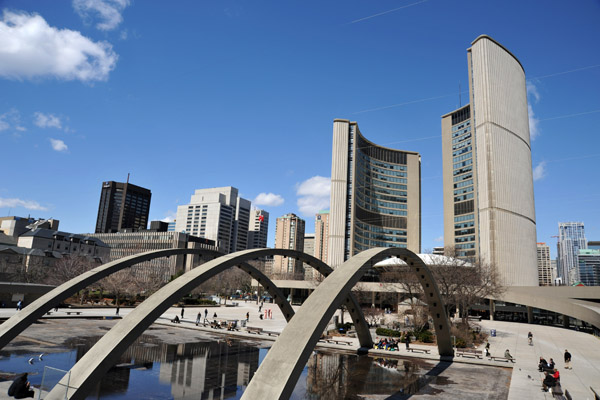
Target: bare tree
(120, 284)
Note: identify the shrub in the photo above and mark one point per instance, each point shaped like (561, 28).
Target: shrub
(388, 332)
(425, 337)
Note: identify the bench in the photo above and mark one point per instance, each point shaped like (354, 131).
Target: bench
(556, 390)
(338, 341)
(469, 353)
(74, 312)
(494, 358)
(474, 318)
(414, 349)
(271, 333)
(252, 329)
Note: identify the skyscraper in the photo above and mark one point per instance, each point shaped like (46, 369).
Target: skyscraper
(258, 229)
(588, 261)
(321, 235)
(544, 265)
(571, 239)
(122, 206)
(375, 195)
(289, 234)
(217, 214)
(489, 209)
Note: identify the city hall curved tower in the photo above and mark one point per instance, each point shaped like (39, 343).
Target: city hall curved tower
(489, 209)
(375, 195)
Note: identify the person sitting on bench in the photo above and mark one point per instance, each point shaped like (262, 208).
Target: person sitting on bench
(507, 355)
(556, 375)
(542, 364)
(175, 320)
(548, 381)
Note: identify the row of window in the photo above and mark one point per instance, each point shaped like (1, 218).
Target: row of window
(463, 184)
(461, 145)
(462, 232)
(385, 178)
(463, 190)
(464, 225)
(463, 170)
(463, 156)
(461, 126)
(463, 197)
(368, 181)
(462, 218)
(379, 229)
(464, 163)
(461, 138)
(367, 160)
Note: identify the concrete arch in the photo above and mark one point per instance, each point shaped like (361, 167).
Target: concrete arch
(21, 320)
(281, 368)
(94, 364)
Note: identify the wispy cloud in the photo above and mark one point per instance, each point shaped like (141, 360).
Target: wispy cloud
(534, 123)
(11, 120)
(539, 171)
(268, 199)
(313, 195)
(386, 12)
(14, 203)
(58, 145)
(107, 12)
(439, 239)
(169, 216)
(33, 49)
(46, 120)
(532, 91)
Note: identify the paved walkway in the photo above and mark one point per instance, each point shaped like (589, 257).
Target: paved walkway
(549, 342)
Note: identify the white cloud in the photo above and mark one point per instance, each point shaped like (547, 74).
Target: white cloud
(107, 12)
(47, 120)
(58, 145)
(170, 216)
(532, 91)
(313, 195)
(30, 48)
(539, 171)
(11, 119)
(534, 122)
(439, 239)
(268, 199)
(28, 204)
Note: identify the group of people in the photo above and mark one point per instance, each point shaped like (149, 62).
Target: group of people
(387, 344)
(551, 374)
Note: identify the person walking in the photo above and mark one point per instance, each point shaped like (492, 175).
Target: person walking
(247, 316)
(567, 360)
(198, 318)
(205, 316)
(530, 338)
(487, 349)
(117, 311)
(181, 312)
(407, 340)
(19, 305)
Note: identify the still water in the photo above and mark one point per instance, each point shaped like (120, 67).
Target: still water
(220, 368)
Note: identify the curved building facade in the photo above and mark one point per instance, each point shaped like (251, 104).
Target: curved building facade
(489, 206)
(375, 195)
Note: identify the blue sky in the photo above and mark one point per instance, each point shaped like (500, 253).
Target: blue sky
(196, 94)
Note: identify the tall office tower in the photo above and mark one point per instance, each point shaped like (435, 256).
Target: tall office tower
(571, 239)
(122, 206)
(322, 235)
(375, 195)
(217, 214)
(544, 265)
(489, 209)
(289, 234)
(258, 229)
(309, 248)
(589, 267)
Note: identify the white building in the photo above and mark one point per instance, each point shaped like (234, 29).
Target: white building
(217, 214)
(571, 239)
(544, 265)
(258, 229)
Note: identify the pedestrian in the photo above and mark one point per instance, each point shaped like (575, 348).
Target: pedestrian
(270, 314)
(56, 308)
(205, 316)
(567, 360)
(198, 318)
(181, 312)
(259, 307)
(530, 338)
(20, 388)
(407, 340)
(19, 305)
(247, 316)
(117, 312)
(487, 349)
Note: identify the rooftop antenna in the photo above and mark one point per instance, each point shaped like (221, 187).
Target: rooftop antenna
(459, 96)
(128, 177)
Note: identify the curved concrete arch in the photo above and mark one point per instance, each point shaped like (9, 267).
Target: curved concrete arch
(94, 364)
(21, 320)
(281, 368)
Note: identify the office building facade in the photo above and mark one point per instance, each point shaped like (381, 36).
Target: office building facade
(322, 235)
(571, 239)
(289, 234)
(375, 196)
(588, 261)
(544, 265)
(489, 210)
(122, 206)
(258, 229)
(218, 214)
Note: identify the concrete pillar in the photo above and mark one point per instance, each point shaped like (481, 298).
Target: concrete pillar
(529, 315)
(291, 295)
(565, 321)
(372, 299)
(492, 309)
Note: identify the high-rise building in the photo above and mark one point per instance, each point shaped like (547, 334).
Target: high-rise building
(289, 234)
(309, 248)
(589, 267)
(544, 265)
(258, 229)
(322, 235)
(375, 195)
(489, 210)
(217, 214)
(593, 245)
(571, 239)
(122, 206)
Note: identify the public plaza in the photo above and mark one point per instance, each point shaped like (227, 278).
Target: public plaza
(524, 382)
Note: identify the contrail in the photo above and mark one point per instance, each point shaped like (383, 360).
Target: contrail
(405, 103)
(570, 115)
(566, 72)
(386, 12)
